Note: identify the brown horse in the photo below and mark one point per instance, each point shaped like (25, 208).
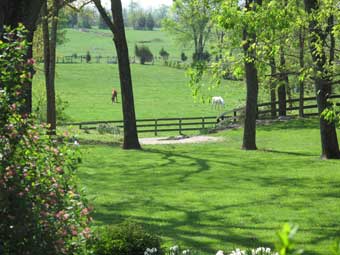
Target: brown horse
(114, 96)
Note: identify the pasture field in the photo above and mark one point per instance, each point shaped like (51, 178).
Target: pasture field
(159, 92)
(216, 196)
(99, 42)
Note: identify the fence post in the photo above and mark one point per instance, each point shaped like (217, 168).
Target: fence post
(203, 122)
(235, 116)
(180, 126)
(156, 121)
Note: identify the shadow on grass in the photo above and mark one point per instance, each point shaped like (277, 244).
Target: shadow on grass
(307, 123)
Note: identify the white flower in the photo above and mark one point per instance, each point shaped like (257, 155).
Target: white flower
(220, 252)
(76, 143)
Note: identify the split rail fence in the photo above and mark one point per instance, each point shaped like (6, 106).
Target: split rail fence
(181, 125)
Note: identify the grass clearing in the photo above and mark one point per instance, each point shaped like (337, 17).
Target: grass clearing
(99, 42)
(216, 196)
(159, 92)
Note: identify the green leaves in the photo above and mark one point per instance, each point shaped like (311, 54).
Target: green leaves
(285, 244)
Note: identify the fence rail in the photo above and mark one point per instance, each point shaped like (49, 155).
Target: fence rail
(201, 123)
(156, 125)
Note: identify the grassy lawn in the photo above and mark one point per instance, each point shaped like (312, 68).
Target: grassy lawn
(159, 92)
(216, 196)
(99, 42)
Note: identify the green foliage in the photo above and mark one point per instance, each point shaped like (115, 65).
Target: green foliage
(286, 245)
(127, 238)
(164, 54)
(42, 210)
(88, 57)
(150, 22)
(40, 104)
(335, 248)
(108, 129)
(184, 57)
(143, 53)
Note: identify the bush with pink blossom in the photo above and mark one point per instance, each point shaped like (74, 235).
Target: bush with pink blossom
(42, 210)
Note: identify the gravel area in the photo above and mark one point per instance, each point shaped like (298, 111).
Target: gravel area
(180, 140)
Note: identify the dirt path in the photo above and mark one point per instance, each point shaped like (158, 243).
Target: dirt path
(180, 140)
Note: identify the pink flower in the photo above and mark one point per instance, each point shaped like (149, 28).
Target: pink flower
(31, 61)
(85, 211)
(86, 232)
(66, 216)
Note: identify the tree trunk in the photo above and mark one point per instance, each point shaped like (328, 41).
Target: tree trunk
(283, 84)
(302, 66)
(50, 42)
(273, 87)
(130, 128)
(329, 140)
(249, 135)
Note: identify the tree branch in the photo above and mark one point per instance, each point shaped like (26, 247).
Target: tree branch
(104, 15)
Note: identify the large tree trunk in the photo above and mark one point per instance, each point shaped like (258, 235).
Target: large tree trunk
(130, 128)
(302, 66)
(329, 140)
(249, 135)
(282, 85)
(273, 87)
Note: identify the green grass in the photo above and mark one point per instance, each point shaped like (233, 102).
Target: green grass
(99, 42)
(159, 92)
(216, 196)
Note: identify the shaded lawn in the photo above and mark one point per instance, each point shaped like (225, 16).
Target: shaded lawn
(216, 196)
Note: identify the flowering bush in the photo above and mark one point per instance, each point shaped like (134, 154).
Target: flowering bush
(41, 208)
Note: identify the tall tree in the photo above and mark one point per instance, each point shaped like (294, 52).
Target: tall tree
(116, 25)
(249, 38)
(318, 35)
(50, 42)
(13, 12)
(191, 22)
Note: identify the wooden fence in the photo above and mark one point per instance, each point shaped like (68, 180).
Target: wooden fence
(156, 125)
(202, 123)
(264, 110)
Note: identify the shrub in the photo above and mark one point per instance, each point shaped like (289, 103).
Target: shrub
(204, 56)
(144, 54)
(41, 208)
(127, 238)
(184, 57)
(108, 129)
(88, 57)
(164, 54)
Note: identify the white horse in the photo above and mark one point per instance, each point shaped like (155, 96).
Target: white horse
(217, 102)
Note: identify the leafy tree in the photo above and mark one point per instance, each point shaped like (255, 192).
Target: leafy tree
(102, 24)
(143, 53)
(190, 22)
(116, 25)
(150, 22)
(321, 29)
(140, 22)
